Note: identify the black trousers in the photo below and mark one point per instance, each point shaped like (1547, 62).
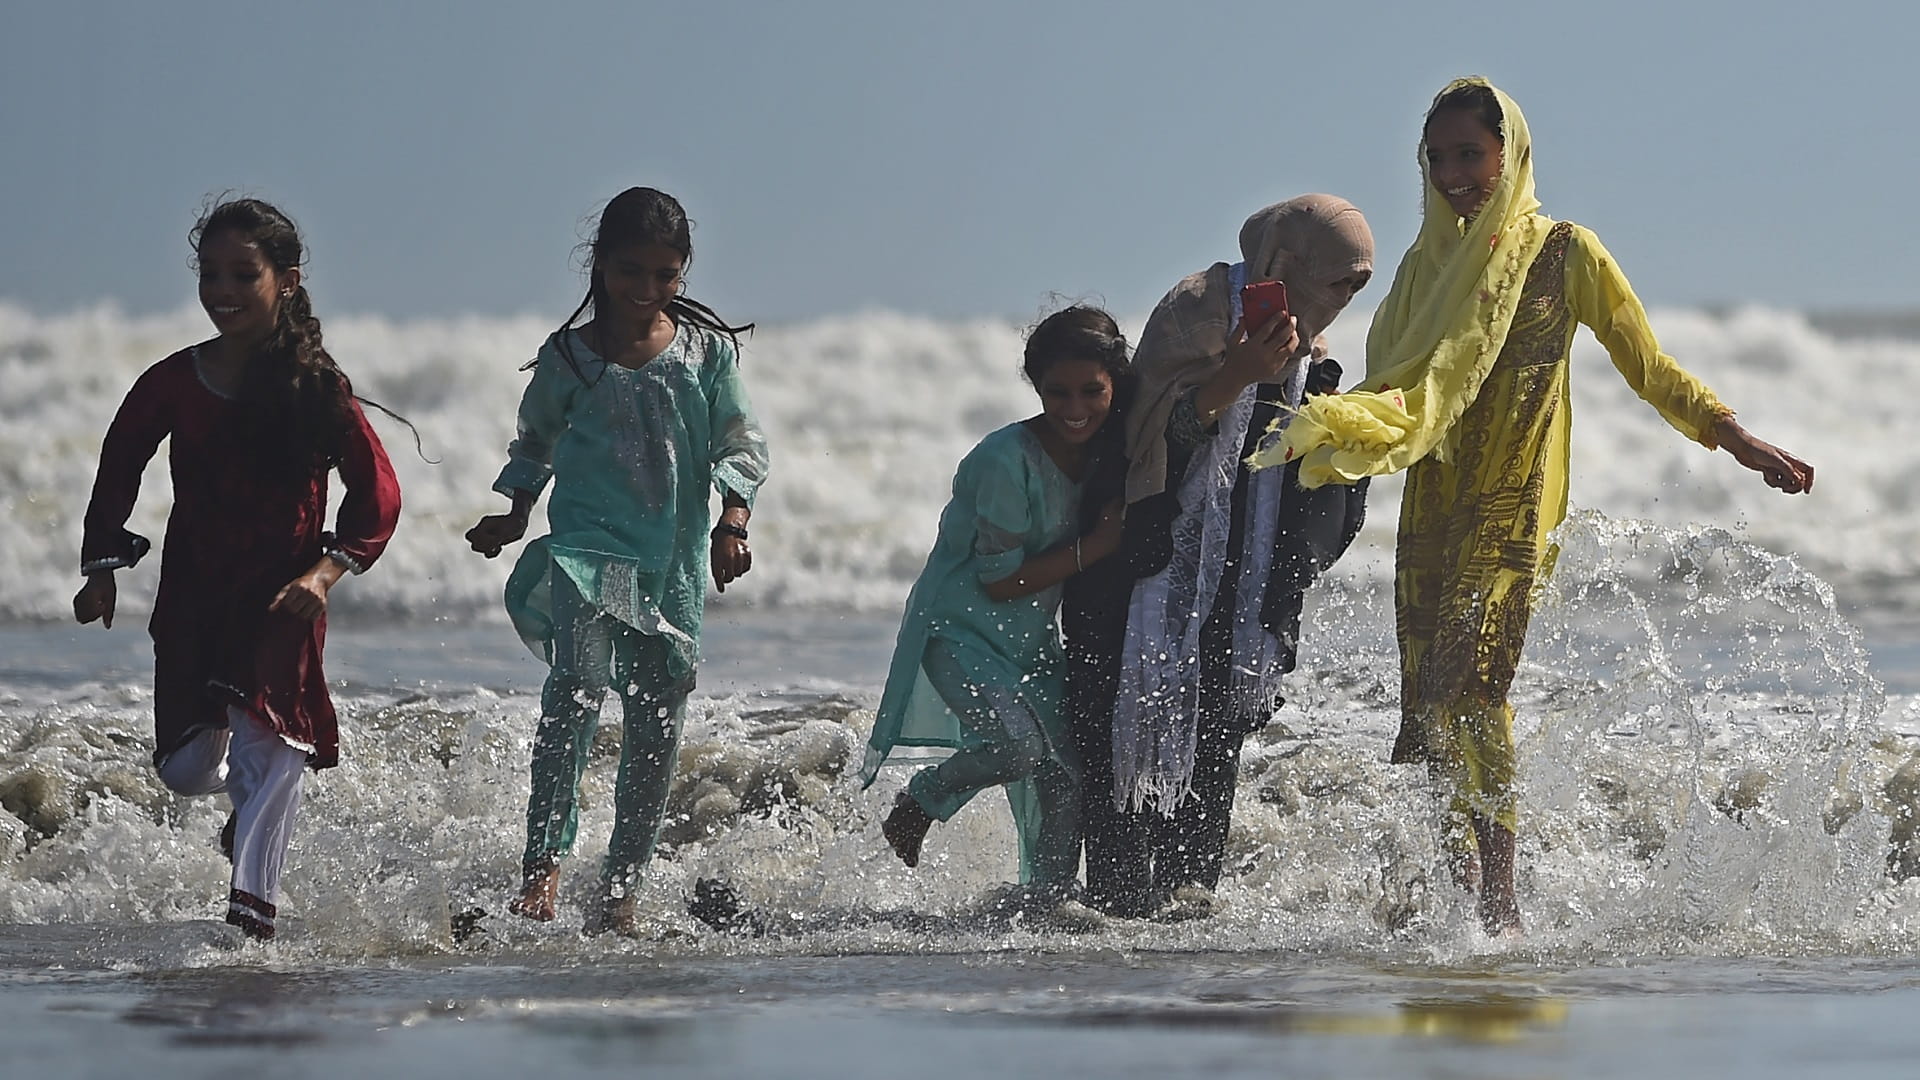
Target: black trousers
(1190, 844)
(1135, 859)
(1118, 843)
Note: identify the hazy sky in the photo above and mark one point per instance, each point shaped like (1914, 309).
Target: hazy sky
(954, 158)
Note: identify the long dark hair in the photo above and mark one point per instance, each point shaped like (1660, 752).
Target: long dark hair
(1086, 332)
(641, 215)
(296, 397)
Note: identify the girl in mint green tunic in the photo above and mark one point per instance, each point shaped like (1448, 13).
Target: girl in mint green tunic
(635, 415)
(978, 666)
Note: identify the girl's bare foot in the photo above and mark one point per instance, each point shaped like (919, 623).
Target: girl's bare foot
(1499, 908)
(905, 827)
(1500, 915)
(539, 895)
(614, 915)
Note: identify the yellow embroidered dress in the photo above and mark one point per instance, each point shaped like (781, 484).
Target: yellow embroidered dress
(1467, 389)
(1473, 528)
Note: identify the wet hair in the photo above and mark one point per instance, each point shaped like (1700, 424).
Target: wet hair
(297, 399)
(641, 215)
(1080, 332)
(1476, 98)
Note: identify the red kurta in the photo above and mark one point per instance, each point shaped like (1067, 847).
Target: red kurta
(235, 538)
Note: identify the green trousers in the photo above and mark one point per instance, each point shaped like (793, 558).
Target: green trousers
(593, 651)
(1005, 745)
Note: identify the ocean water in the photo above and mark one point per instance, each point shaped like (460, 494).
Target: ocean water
(867, 415)
(1719, 737)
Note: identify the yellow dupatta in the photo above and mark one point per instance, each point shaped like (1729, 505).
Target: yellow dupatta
(1436, 335)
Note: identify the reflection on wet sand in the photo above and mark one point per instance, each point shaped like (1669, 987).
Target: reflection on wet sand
(1488, 1020)
(235, 1008)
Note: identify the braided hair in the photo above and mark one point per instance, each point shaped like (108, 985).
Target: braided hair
(298, 401)
(641, 215)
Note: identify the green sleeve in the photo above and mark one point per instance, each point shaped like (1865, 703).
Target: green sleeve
(739, 448)
(541, 421)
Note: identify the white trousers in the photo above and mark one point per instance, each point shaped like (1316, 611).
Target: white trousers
(263, 775)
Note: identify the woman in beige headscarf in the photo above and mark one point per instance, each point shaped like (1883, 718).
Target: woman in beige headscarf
(1169, 673)
(1467, 388)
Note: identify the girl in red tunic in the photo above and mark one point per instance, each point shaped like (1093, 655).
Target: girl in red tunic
(257, 418)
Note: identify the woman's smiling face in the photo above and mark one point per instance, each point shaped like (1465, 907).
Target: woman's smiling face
(239, 288)
(1463, 159)
(1075, 396)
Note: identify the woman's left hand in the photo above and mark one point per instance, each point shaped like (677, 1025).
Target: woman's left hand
(1781, 469)
(306, 595)
(731, 557)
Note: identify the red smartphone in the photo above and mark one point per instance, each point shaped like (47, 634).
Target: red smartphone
(1261, 302)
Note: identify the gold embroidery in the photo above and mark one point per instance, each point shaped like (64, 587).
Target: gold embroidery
(1473, 534)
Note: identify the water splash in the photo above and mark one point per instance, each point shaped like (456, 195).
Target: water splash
(1707, 767)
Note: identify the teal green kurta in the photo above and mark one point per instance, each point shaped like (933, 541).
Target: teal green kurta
(633, 455)
(1010, 503)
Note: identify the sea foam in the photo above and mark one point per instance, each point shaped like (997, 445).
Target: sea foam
(867, 415)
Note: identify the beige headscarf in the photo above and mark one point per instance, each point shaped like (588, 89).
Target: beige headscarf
(1307, 242)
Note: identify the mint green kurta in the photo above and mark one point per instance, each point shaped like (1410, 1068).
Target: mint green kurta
(1010, 503)
(633, 455)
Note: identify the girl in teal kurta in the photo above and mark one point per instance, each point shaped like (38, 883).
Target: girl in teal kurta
(978, 667)
(634, 416)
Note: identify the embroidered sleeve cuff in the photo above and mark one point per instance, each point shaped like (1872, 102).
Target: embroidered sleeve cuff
(348, 562)
(730, 479)
(523, 475)
(111, 562)
(133, 548)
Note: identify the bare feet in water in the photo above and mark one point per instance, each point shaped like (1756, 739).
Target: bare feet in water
(613, 915)
(1499, 907)
(905, 827)
(539, 895)
(1500, 915)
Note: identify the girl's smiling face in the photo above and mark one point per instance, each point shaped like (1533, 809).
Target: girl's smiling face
(239, 288)
(640, 279)
(1463, 159)
(1076, 395)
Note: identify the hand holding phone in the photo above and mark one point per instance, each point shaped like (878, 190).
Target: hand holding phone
(1264, 351)
(1261, 302)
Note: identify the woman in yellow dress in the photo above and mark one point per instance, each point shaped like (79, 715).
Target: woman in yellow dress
(1467, 388)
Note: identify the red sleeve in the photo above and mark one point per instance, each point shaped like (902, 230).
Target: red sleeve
(145, 418)
(371, 506)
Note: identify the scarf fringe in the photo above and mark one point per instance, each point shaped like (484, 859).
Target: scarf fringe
(1157, 708)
